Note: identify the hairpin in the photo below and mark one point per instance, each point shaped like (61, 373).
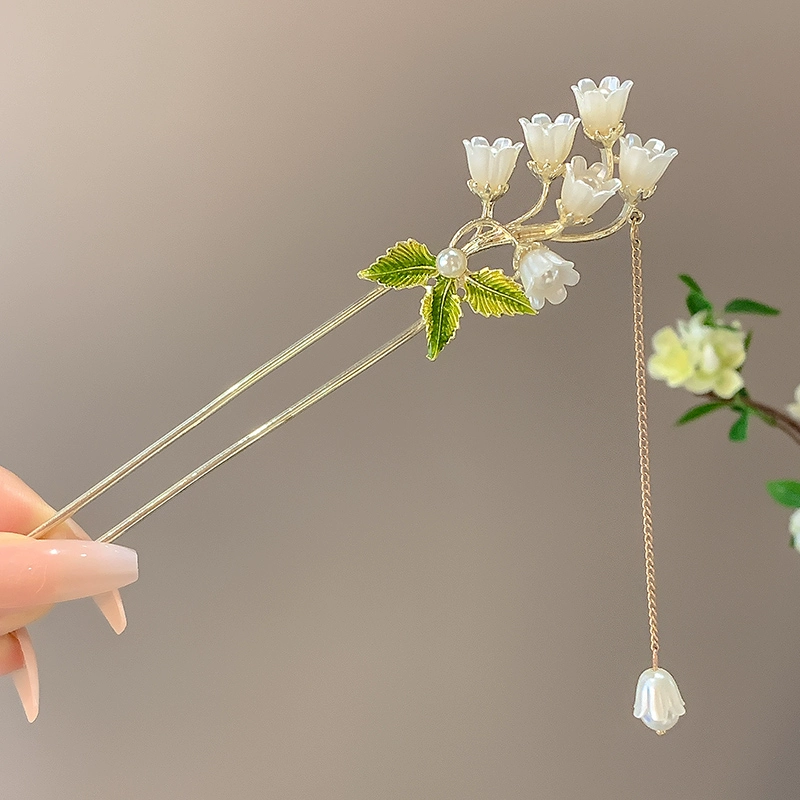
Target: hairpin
(538, 275)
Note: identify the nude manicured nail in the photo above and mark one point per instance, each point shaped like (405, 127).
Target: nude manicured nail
(38, 572)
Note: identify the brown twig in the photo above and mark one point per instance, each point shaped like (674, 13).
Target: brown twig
(781, 421)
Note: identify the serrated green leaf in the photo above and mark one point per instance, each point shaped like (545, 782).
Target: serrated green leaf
(441, 310)
(691, 283)
(738, 431)
(787, 493)
(699, 411)
(492, 293)
(696, 301)
(741, 305)
(406, 264)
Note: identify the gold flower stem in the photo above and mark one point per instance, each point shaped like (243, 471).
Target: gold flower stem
(590, 236)
(636, 218)
(263, 430)
(204, 413)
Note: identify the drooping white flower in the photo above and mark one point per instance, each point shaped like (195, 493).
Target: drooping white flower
(585, 188)
(642, 165)
(794, 408)
(545, 276)
(549, 141)
(699, 357)
(658, 702)
(794, 528)
(601, 107)
(491, 165)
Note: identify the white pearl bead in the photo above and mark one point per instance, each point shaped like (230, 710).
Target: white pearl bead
(452, 262)
(658, 702)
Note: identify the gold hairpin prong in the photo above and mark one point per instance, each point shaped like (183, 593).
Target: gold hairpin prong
(204, 413)
(259, 433)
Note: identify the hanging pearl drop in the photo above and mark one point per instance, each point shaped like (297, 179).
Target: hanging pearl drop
(451, 262)
(658, 702)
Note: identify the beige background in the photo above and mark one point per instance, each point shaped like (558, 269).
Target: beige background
(430, 586)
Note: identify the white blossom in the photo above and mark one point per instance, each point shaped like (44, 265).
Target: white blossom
(585, 188)
(794, 408)
(549, 141)
(491, 165)
(601, 107)
(794, 528)
(545, 276)
(699, 357)
(642, 165)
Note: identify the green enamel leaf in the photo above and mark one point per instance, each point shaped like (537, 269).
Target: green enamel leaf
(699, 411)
(441, 310)
(741, 305)
(787, 493)
(492, 293)
(406, 264)
(738, 431)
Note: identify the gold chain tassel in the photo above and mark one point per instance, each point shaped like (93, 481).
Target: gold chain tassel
(658, 702)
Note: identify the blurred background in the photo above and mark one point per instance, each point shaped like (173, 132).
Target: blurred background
(431, 584)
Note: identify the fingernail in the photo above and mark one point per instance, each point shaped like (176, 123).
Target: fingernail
(26, 679)
(109, 603)
(38, 572)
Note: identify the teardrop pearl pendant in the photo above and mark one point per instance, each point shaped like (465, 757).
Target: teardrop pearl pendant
(658, 702)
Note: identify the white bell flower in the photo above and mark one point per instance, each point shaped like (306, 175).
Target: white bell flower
(658, 701)
(549, 141)
(491, 165)
(642, 165)
(545, 276)
(601, 107)
(585, 188)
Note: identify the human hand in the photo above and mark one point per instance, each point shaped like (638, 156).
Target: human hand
(36, 573)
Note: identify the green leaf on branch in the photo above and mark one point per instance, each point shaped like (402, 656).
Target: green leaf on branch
(692, 284)
(738, 431)
(441, 310)
(741, 305)
(699, 411)
(696, 301)
(406, 264)
(492, 293)
(748, 340)
(787, 493)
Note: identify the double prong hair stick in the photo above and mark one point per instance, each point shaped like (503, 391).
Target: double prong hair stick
(204, 413)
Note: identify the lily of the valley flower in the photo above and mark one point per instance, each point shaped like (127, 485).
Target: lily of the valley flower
(491, 165)
(585, 189)
(642, 165)
(699, 357)
(545, 276)
(549, 141)
(658, 702)
(601, 107)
